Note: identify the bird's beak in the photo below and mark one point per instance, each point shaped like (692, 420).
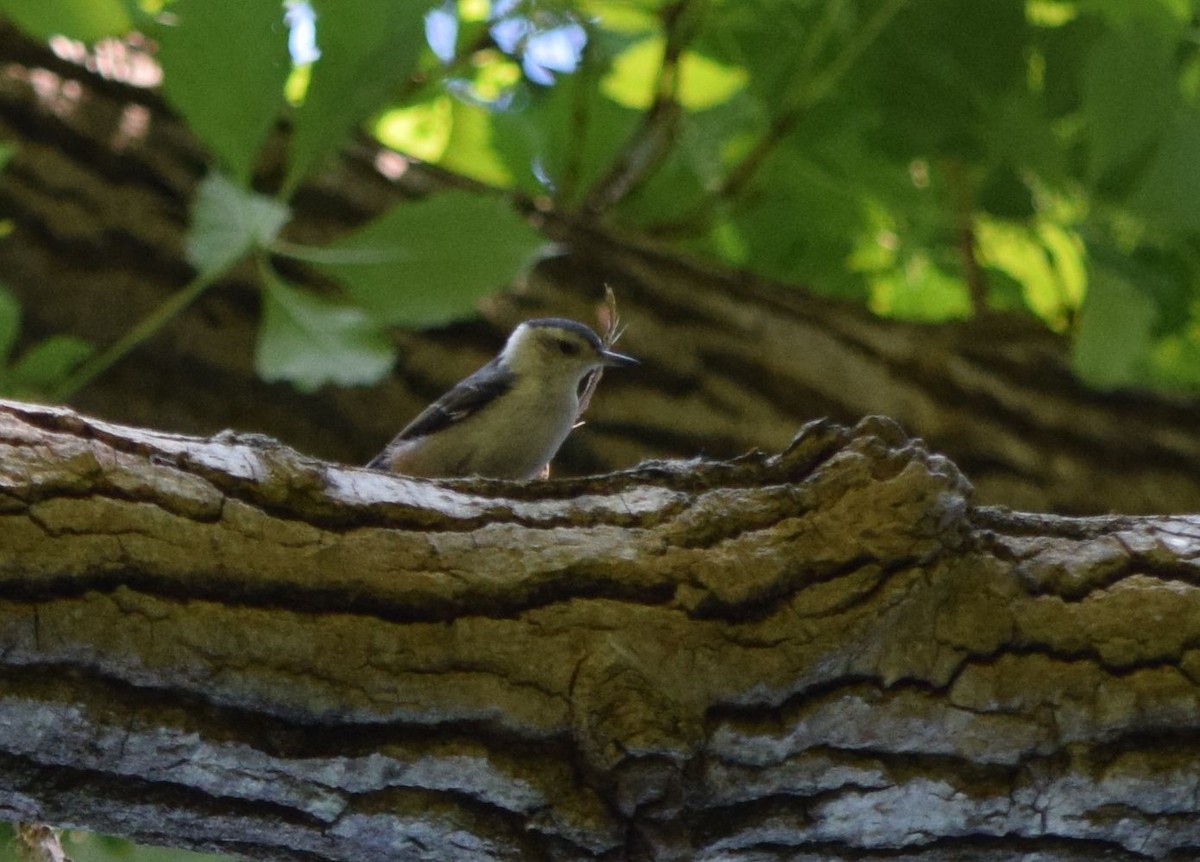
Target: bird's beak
(612, 358)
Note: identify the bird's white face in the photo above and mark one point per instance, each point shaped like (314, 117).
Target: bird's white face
(550, 352)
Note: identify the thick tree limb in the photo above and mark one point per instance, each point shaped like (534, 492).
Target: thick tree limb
(822, 654)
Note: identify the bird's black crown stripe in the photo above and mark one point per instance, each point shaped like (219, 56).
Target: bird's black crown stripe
(570, 325)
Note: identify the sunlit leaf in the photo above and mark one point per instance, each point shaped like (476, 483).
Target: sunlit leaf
(429, 262)
(422, 130)
(1046, 261)
(1050, 13)
(227, 222)
(367, 48)
(703, 82)
(1069, 258)
(86, 20)
(473, 10)
(224, 69)
(471, 149)
(918, 290)
(310, 341)
(636, 17)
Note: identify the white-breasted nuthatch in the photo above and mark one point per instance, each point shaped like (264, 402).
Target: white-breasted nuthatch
(507, 419)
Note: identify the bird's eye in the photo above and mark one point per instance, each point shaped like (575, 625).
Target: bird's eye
(567, 348)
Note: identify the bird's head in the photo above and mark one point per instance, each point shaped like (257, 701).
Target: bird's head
(555, 348)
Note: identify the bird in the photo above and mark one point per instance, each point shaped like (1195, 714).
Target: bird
(509, 418)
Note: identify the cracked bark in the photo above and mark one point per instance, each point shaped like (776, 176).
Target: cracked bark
(730, 362)
(829, 653)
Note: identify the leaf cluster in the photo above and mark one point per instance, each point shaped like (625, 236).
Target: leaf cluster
(931, 159)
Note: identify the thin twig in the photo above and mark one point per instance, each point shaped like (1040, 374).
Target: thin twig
(964, 229)
(806, 92)
(583, 82)
(810, 93)
(142, 331)
(651, 142)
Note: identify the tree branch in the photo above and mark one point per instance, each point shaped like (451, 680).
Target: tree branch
(652, 140)
(223, 644)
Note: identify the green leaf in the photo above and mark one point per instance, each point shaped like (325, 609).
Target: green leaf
(807, 208)
(224, 67)
(1129, 92)
(472, 146)
(1168, 17)
(10, 321)
(1170, 188)
(567, 134)
(310, 341)
(227, 221)
(86, 20)
(1003, 193)
(1175, 361)
(1113, 337)
(941, 69)
(43, 367)
(706, 147)
(919, 290)
(1021, 137)
(1066, 50)
(703, 82)
(367, 49)
(425, 263)
(1044, 258)
(421, 130)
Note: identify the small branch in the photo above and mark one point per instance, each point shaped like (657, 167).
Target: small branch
(583, 82)
(651, 142)
(143, 330)
(963, 203)
(224, 645)
(811, 93)
(806, 92)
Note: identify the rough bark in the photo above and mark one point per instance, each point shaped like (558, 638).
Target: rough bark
(98, 192)
(825, 654)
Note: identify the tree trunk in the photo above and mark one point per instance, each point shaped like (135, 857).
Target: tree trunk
(826, 654)
(98, 191)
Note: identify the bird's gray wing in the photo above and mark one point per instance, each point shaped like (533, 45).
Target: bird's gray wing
(470, 396)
